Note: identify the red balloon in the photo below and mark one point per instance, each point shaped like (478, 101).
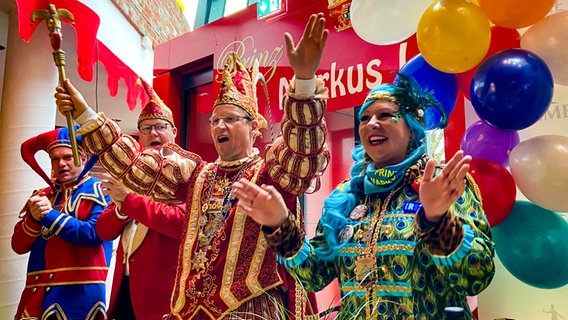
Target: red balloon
(501, 39)
(497, 186)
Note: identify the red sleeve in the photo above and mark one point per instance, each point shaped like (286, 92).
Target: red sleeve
(109, 226)
(25, 234)
(161, 217)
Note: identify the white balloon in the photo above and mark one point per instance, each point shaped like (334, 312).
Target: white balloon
(540, 168)
(385, 22)
(548, 38)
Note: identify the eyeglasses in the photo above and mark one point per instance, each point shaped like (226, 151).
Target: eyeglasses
(227, 120)
(147, 128)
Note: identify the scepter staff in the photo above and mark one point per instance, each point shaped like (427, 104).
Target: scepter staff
(52, 18)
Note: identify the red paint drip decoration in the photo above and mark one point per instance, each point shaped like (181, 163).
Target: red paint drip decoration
(89, 48)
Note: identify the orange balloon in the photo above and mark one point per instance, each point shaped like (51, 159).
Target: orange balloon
(453, 35)
(516, 14)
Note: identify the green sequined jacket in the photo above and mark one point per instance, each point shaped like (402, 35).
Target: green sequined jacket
(396, 265)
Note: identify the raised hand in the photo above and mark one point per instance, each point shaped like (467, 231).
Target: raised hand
(438, 193)
(305, 57)
(263, 204)
(70, 99)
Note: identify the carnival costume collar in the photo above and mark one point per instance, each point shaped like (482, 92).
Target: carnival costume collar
(236, 163)
(73, 184)
(385, 179)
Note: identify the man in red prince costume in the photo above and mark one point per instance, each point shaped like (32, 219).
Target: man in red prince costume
(226, 269)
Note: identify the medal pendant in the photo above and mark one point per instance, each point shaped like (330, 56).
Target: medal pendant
(199, 261)
(346, 233)
(358, 212)
(365, 266)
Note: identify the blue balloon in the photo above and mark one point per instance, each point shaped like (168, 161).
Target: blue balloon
(444, 87)
(512, 89)
(532, 244)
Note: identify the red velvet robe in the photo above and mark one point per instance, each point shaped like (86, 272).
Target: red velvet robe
(153, 258)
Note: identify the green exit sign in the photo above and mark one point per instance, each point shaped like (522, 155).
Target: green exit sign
(269, 8)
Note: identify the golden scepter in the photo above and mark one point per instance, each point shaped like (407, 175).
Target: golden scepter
(52, 18)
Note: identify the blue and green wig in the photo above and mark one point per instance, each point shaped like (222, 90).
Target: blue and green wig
(414, 105)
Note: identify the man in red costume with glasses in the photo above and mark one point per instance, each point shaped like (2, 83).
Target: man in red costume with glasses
(150, 232)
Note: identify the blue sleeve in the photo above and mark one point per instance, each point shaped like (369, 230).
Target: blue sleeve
(74, 230)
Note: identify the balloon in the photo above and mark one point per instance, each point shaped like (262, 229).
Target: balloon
(385, 22)
(501, 39)
(442, 85)
(483, 141)
(548, 39)
(540, 168)
(532, 245)
(515, 14)
(453, 36)
(512, 89)
(497, 188)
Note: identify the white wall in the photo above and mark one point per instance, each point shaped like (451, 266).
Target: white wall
(27, 82)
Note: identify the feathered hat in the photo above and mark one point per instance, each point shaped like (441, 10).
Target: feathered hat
(155, 108)
(46, 141)
(238, 88)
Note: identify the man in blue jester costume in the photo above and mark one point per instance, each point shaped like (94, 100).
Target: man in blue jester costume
(68, 262)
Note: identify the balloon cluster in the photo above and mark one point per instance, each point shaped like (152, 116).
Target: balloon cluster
(473, 47)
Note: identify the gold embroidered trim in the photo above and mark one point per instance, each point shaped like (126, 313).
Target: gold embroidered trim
(258, 257)
(233, 249)
(190, 238)
(29, 230)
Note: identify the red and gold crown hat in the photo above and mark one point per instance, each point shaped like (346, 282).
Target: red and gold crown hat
(155, 108)
(46, 141)
(239, 89)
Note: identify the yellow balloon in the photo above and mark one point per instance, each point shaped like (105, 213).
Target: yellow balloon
(453, 35)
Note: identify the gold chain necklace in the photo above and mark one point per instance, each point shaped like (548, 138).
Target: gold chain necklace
(366, 262)
(209, 223)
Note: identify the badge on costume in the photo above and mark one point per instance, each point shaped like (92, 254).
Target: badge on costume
(346, 233)
(358, 212)
(411, 207)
